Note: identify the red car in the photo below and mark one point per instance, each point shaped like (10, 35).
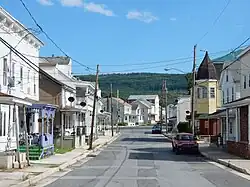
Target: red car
(185, 142)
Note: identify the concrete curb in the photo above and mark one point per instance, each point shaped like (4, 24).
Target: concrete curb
(34, 180)
(226, 163)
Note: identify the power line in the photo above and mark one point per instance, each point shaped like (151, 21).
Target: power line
(243, 43)
(49, 38)
(215, 21)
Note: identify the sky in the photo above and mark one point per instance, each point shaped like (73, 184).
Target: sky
(125, 36)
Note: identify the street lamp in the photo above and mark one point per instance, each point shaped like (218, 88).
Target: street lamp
(168, 69)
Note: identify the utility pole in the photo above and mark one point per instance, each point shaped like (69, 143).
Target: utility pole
(193, 92)
(118, 109)
(94, 105)
(111, 103)
(166, 104)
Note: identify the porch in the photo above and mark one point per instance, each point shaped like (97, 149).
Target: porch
(10, 122)
(237, 130)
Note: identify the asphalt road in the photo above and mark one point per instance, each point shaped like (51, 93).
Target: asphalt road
(139, 159)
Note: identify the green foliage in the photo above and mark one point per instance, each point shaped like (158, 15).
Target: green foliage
(141, 83)
(184, 127)
(189, 78)
(122, 124)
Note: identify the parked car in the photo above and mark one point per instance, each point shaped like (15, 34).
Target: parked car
(185, 142)
(156, 129)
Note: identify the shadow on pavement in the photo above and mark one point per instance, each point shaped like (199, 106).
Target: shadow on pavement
(163, 154)
(153, 139)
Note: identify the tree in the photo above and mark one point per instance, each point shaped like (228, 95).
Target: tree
(189, 78)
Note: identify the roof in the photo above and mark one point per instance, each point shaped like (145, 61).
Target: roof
(229, 57)
(134, 106)
(207, 69)
(218, 67)
(60, 60)
(144, 102)
(135, 97)
(9, 16)
(119, 100)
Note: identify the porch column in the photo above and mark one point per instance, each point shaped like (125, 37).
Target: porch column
(236, 125)
(62, 129)
(249, 124)
(227, 124)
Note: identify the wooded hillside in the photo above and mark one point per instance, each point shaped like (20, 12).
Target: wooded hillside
(142, 83)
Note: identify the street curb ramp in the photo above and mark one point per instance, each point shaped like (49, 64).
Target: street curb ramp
(226, 163)
(32, 181)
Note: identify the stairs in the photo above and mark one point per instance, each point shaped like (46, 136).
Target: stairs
(37, 152)
(34, 152)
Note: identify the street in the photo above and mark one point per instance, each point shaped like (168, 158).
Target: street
(138, 158)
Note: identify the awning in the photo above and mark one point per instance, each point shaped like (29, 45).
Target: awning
(12, 100)
(71, 109)
(238, 103)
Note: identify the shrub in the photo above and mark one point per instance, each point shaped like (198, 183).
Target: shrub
(122, 124)
(184, 127)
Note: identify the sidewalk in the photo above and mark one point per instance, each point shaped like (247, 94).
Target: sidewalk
(43, 168)
(222, 157)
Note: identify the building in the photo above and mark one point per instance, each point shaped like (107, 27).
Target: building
(143, 110)
(177, 112)
(207, 97)
(155, 107)
(236, 127)
(19, 76)
(121, 110)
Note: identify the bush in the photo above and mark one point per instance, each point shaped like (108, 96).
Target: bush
(184, 127)
(122, 124)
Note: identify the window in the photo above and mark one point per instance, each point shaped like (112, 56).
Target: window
(13, 72)
(21, 77)
(227, 95)
(245, 82)
(232, 93)
(198, 93)
(126, 118)
(34, 80)
(28, 76)
(204, 92)
(227, 76)
(212, 93)
(223, 97)
(249, 80)
(5, 71)
(230, 127)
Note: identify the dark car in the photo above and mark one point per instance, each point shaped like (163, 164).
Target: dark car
(185, 142)
(156, 129)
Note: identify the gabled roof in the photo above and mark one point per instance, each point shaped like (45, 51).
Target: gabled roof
(134, 106)
(135, 97)
(143, 102)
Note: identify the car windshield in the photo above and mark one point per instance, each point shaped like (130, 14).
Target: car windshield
(186, 137)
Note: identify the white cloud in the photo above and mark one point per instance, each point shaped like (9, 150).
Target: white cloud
(72, 3)
(46, 2)
(98, 8)
(146, 17)
(173, 19)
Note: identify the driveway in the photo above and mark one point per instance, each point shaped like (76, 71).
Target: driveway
(139, 159)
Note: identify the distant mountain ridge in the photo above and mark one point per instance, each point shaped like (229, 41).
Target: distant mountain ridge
(141, 84)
